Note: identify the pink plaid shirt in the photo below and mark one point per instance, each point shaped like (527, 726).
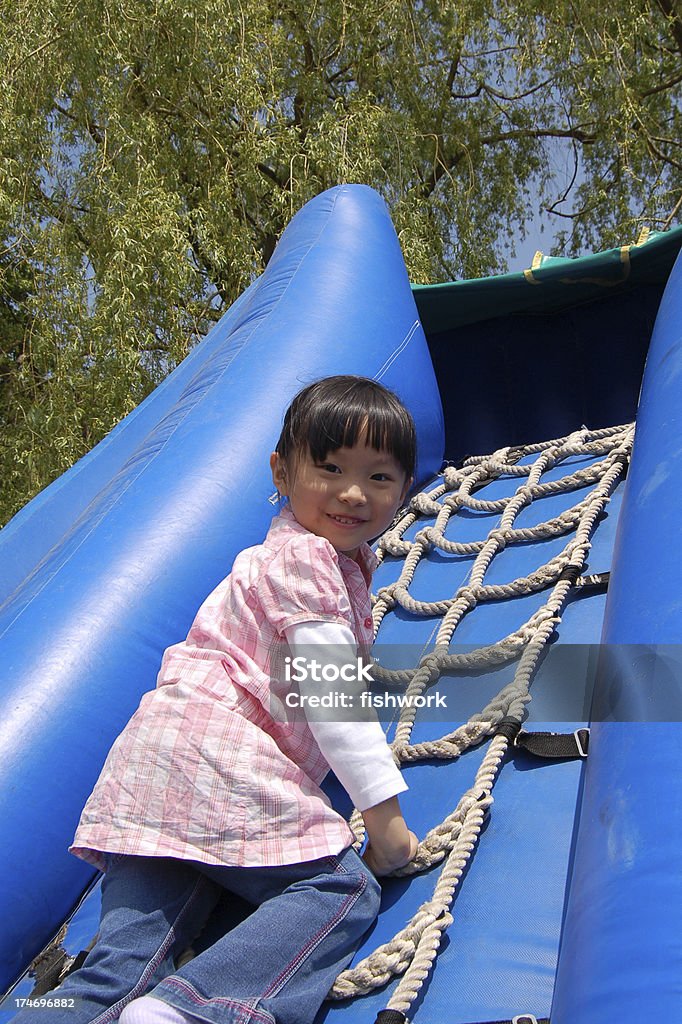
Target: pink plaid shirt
(203, 771)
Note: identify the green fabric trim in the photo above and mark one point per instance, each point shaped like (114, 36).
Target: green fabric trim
(553, 284)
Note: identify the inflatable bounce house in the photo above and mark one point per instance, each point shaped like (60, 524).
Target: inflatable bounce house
(532, 587)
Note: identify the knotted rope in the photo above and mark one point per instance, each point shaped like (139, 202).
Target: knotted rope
(413, 950)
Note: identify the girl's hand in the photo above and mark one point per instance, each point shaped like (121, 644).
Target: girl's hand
(383, 863)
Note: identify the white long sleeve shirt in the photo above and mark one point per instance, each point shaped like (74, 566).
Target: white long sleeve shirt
(357, 751)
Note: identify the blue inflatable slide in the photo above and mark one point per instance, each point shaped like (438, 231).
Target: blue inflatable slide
(567, 904)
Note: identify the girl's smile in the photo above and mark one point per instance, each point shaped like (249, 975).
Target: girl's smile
(349, 498)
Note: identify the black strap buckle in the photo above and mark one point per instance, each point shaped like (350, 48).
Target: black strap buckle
(555, 745)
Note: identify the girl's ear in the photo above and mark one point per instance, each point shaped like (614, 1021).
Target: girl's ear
(279, 475)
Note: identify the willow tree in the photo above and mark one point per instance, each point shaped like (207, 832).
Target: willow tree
(152, 151)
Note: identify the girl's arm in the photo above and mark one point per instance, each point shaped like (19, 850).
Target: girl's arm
(355, 747)
(391, 844)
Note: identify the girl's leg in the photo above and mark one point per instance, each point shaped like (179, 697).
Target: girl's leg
(152, 908)
(279, 963)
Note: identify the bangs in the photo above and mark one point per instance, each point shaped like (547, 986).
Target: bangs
(337, 411)
(341, 429)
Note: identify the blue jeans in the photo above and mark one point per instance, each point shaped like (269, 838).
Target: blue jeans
(275, 965)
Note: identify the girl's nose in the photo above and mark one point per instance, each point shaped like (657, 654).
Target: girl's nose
(353, 493)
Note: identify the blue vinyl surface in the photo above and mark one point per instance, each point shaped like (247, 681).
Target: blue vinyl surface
(109, 564)
(625, 904)
(499, 957)
(82, 637)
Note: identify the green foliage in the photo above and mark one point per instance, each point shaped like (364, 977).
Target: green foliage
(152, 151)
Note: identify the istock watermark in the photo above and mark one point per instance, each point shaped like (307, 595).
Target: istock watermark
(301, 669)
(335, 683)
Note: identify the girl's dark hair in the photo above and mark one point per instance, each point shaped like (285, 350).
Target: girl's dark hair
(334, 411)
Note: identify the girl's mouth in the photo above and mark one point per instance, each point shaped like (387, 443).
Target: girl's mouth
(345, 520)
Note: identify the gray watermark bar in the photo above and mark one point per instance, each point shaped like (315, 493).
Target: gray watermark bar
(570, 682)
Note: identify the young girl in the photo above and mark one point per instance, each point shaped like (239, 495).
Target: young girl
(213, 786)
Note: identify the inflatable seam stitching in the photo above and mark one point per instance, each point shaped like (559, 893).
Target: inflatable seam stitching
(386, 365)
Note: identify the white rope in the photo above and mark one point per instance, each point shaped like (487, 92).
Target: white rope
(412, 952)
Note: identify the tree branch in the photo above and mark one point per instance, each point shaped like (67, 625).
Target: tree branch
(663, 87)
(447, 164)
(496, 94)
(93, 129)
(670, 9)
(268, 172)
(656, 152)
(63, 213)
(35, 52)
(673, 213)
(584, 137)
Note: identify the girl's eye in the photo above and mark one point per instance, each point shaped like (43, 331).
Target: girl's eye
(329, 467)
(381, 476)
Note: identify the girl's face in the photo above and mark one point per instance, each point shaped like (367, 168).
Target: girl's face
(348, 498)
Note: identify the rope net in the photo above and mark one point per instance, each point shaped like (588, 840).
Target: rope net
(411, 953)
